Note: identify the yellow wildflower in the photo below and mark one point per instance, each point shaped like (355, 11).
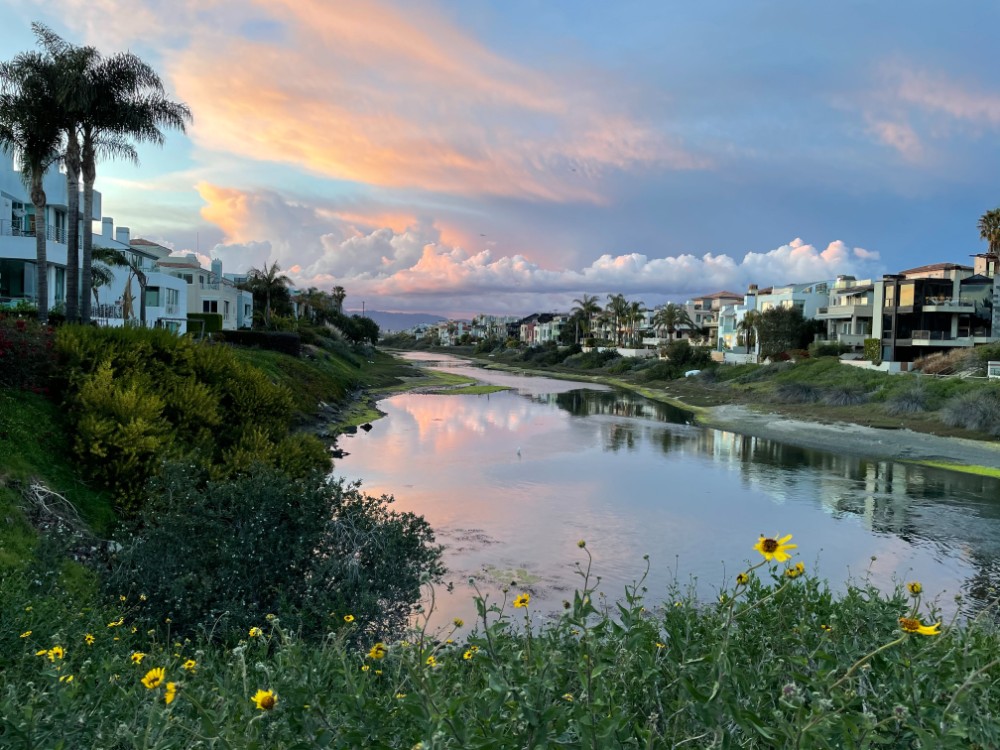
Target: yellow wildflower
(89, 639)
(365, 667)
(458, 622)
(914, 588)
(796, 571)
(26, 634)
(913, 625)
(154, 678)
(348, 618)
(171, 693)
(431, 661)
(67, 678)
(773, 548)
(742, 579)
(117, 623)
(582, 543)
(378, 651)
(265, 700)
(568, 697)
(661, 645)
(522, 601)
(825, 628)
(256, 632)
(189, 665)
(56, 652)
(137, 657)
(400, 696)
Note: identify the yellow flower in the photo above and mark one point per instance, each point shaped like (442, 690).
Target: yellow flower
(89, 639)
(117, 623)
(914, 588)
(66, 678)
(378, 651)
(137, 657)
(154, 677)
(43, 652)
(121, 597)
(256, 632)
(26, 633)
(522, 601)
(825, 628)
(378, 671)
(458, 622)
(568, 697)
(348, 618)
(171, 693)
(56, 652)
(660, 645)
(189, 665)
(773, 548)
(400, 696)
(912, 625)
(472, 651)
(431, 661)
(365, 667)
(582, 543)
(265, 700)
(142, 597)
(742, 579)
(796, 571)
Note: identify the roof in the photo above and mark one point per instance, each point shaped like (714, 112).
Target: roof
(855, 289)
(721, 295)
(937, 267)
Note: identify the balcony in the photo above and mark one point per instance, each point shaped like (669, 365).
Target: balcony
(850, 339)
(939, 338)
(18, 229)
(844, 311)
(944, 304)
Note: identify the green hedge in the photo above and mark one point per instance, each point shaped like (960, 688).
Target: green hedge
(213, 322)
(278, 341)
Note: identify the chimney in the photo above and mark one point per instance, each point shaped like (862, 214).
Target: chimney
(108, 227)
(123, 235)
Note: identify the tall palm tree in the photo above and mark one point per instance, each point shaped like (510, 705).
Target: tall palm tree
(747, 328)
(586, 307)
(617, 309)
(671, 318)
(989, 230)
(30, 131)
(73, 63)
(339, 295)
(267, 280)
(635, 313)
(121, 100)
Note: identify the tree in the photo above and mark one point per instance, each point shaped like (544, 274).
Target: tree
(635, 313)
(30, 130)
(114, 257)
(339, 295)
(121, 98)
(617, 309)
(101, 273)
(779, 329)
(585, 309)
(268, 281)
(671, 318)
(747, 328)
(989, 230)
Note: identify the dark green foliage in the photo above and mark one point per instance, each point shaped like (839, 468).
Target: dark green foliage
(26, 356)
(548, 354)
(910, 401)
(280, 341)
(827, 349)
(591, 360)
(780, 329)
(873, 350)
(976, 410)
(204, 322)
(137, 397)
(218, 556)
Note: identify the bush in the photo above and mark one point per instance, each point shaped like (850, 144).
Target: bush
(873, 350)
(212, 322)
(26, 356)
(844, 396)
(827, 349)
(797, 393)
(910, 401)
(285, 342)
(592, 360)
(218, 556)
(976, 410)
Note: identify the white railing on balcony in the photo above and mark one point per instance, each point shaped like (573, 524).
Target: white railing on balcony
(20, 229)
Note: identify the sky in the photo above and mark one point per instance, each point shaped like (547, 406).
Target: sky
(470, 156)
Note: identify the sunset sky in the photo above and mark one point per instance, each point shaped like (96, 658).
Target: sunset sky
(463, 156)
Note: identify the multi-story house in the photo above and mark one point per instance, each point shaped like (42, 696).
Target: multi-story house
(209, 291)
(849, 312)
(937, 308)
(704, 311)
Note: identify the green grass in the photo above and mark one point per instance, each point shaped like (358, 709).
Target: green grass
(470, 390)
(984, 471)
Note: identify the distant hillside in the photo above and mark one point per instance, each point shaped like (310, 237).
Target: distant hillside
(390, 321)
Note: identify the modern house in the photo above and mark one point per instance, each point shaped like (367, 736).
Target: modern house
(936, 308)
(849, 312)
(209, 291)
(704, 311)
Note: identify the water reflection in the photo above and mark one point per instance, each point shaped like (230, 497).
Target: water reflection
(513, 480)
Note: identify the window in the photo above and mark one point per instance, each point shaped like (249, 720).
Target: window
(210, 306)
(226, 308)
(906, 295)
(188, 278)
(60, 295)
(173, 296)
(152, 296)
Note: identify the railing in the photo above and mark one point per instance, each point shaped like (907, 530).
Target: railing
(18, 229)
(105, 310)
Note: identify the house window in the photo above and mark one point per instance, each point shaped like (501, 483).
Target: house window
(226, 308)
(152, 296)
(173, 296)
(188, 278)
(906, 295)
(210, 306)
(60, 295)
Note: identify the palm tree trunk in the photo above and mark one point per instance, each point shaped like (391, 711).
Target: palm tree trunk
(41, 251)
(89, 170)
(73, 227)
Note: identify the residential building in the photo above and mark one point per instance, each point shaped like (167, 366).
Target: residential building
(849, 312)
(704, 311)
(936, 308)
(209, 291)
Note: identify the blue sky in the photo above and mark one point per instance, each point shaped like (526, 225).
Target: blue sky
(457, 157)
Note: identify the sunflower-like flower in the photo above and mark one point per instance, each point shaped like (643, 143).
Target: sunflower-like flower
(256, 632)
(89, 639)
(171, 693)
(458, 622)
(154, 678)
(742, 579)
(56, 652)
(913, 625)
(189, 665)
(796, 570)
(522, 601)
(264, 700)
(825, 628)
(378, 651)
(137, 657)
(914, 588)
(348, 618)
(26, 634)
(773, 548)
(431, 661)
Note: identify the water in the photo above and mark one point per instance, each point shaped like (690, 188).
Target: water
(511, 481)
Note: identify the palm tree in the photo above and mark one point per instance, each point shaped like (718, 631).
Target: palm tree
(989, 230)
(617, 309)
(671, 318)
(634, 315)
(30, 131)
(748, 330)
(121, 98)
(586, 307)
(101, 273)
(339, 295)
(267, 280)
(114, 257)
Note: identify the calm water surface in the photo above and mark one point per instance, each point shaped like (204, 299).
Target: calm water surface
(511, 482)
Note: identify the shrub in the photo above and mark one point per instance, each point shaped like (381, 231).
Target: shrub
(218, 556)
(279, 341)
(909, 401)
(204, 322)
(873, 350)
(844, 396)
(797, 393)
(591, 360)
(827, 349)
(976, 410)
(26, 356)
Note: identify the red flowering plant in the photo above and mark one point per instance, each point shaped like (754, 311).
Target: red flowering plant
(27, 357)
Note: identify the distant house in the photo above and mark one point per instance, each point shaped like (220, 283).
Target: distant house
(209, 291)
(704, 310)
(849, 312)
